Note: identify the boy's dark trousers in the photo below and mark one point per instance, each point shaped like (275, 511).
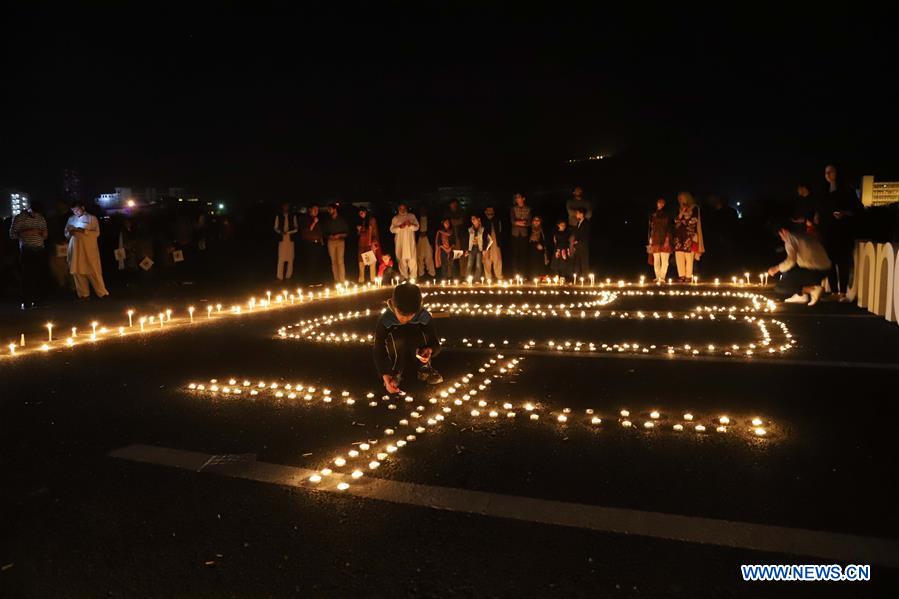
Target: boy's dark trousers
(402, 345)
(581, 260)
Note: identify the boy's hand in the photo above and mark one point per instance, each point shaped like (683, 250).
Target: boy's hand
(424, 354)
(390, 384)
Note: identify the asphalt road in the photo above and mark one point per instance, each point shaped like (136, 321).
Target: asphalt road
(79, 523)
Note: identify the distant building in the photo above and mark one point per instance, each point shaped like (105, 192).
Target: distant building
(467, 196)
(17, 202)
(879, 193)
(126, 199)
(116, 200)
(71, 185)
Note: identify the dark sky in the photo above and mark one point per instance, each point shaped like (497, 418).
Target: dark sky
(303, 100)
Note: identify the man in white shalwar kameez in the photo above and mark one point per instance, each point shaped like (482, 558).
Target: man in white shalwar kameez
(82, 231)
(403, 226)
(285, 228)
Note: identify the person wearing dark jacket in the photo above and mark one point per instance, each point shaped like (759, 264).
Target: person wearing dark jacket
(537, 249)
(561, 261)
(581, 234)
(313, 245)
(336, 230)
(406, 340)
(838, 207)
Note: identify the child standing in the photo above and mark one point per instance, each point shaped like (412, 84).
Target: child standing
(561, 265)
(659, 242)
(477, 245)
(405, 340)
(443, 249)
(537, 247)
(386, 272)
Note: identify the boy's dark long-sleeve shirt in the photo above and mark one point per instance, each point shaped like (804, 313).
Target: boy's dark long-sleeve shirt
(582, 233)
(421, 325)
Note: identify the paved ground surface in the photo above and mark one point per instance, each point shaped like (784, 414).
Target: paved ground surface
(79, 523)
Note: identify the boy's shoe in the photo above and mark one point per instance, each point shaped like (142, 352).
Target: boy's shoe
(797, 298)
(815, 294)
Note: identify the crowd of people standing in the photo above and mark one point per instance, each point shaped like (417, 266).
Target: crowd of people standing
(818, 237)
(338, 242)
(460, 244)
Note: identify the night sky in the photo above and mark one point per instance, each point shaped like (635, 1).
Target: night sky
(296, 102)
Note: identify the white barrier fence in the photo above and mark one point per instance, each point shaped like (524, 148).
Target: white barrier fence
(875, 280)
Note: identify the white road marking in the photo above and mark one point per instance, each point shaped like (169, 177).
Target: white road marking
(741, 535)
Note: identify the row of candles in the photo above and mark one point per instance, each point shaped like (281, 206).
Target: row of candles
(589, 280)
(468, 397)
(141, 323)
(313, 329)
(309, 393)
(155, 322)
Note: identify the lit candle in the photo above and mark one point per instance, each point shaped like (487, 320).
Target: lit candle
(94, 327)
(130, 319)
(592, 279)
(49, 331)
(208, 311)
(22, 340)
(142, 320)
(12, 348)
(161, 319)
(190, 311)
(168, 315)
(74, 331)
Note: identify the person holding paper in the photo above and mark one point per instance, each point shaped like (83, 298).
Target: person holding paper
(367, 230)
(285, 228)
(82, 230)
(403, 226)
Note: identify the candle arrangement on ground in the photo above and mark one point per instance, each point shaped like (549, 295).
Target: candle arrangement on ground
(140, 324)
(469, 399)
(771, 336)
